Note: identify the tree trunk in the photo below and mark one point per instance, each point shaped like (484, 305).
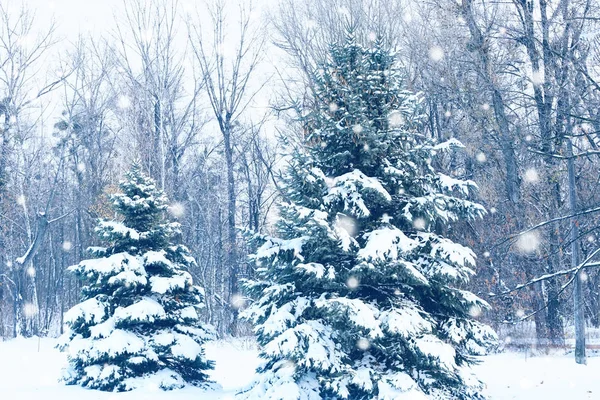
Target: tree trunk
(580, 357)
(231, 230)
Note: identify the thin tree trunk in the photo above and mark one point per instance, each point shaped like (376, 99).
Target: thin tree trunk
(580, 357)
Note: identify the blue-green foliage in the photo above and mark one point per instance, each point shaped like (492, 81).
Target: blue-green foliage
(359, 294)
(138, 322)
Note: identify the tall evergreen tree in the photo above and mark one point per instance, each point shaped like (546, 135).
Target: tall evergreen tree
(359, 295)
(139, 319)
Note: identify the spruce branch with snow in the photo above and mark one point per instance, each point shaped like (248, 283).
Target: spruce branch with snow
(138, 322)
(359, 296)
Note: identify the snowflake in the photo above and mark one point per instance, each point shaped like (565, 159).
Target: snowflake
(419, 223)
(493, 210)
(21, 200)
(124, 102)
(238, 301)
(395, 118)
(502, 30)
(528, 242)
(436, 53)
(81, 167)
(31, 271)
(583, 276)
(531, 175)
(537, 77)
(363, 344)
(481, 157)
(520, 313)
(333, 107)
(177, 210)
(475, 311)
(486, 254)
(352, 283)
(372, 36)
(30, 309)
(528, 138)
(346, 223)
(357, 129)
(447, 114)
(485, 106)
(591, 238)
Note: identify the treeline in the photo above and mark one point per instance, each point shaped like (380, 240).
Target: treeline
(186, 92)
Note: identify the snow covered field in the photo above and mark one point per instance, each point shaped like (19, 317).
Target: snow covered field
(28, 374)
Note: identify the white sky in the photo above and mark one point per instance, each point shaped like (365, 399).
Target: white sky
(97, 18)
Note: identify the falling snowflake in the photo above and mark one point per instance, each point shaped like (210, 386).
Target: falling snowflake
(397, 292)
(493, 210)
(475, 311)
(177, 210)
(31, 271)
(21, 200)
(485, 106)
(30, 309)
(436, 53)
(531, 175)
(81, 167)
(372, 36)
(447, 114)
(366, 147)
(395, 118)
(124, 102)
(537, 77)
(363, 344)
(238, 301)
(346, 223)
(520, 313)
(67, 246)
(528, 138)
(333, 107)
(357, 129)
(502, 30)
(583, 276)
(528, 242)
(419, 224)
(486, 254)
(9, 264)
(591, 238)
(352, 283)
(481, 157)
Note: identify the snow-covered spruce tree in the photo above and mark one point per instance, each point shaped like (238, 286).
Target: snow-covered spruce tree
(359, 295)
(139, 319)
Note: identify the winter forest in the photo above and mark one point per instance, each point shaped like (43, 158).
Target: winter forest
(299, 200)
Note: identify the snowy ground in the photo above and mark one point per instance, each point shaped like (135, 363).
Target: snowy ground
(28, 374)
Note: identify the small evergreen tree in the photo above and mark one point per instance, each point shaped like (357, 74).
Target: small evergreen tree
(139, 319)
(359, 295)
